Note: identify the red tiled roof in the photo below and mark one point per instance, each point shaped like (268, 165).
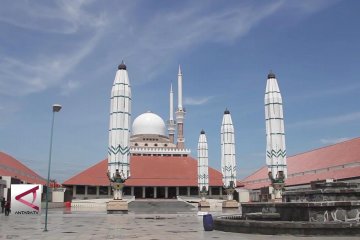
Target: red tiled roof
(338, 161)
(149, 171)
(9, 166)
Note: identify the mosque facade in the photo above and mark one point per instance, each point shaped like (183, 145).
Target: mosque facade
(160, 164)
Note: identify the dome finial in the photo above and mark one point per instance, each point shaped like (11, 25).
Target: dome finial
(202, 131)
(271, 75)
(122, 66)
(226, 111)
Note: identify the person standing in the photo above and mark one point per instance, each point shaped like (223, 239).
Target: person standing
(2, 205)
(7, 208)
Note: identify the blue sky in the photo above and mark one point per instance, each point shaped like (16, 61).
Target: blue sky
(67, 52)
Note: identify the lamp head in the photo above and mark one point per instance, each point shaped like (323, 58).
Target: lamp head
(56, 107)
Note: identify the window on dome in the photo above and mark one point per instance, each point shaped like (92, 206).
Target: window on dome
(155, 144)
(145, 144)
(165, 145)
(136, 144)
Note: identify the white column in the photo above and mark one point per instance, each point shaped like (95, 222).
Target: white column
(132, 191)
(177, 191)
(166, 192)
(155, 192)
(86, 191)
(143, 192)
(188, 191)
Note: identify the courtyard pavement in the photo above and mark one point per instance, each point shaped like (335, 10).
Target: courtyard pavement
(146, 220)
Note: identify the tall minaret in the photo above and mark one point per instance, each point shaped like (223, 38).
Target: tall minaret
(203, 168)
(275, 136)
(180, 115)
(119, 131)
(228, 161)
(171, 122)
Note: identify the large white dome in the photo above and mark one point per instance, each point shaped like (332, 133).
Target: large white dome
(149, 123)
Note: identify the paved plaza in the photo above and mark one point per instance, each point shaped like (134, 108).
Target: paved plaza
(145, 220)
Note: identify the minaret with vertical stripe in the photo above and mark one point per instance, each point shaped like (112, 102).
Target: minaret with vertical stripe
(171, 122)
(275, 136)
(228, 160)
(119, 131)
(180, 114)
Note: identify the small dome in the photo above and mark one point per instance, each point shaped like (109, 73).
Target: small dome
(226, 111)
(149, 123)
(271, 75)
(202, 132)
(122, 66)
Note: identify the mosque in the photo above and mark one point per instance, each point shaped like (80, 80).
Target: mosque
(161, 166)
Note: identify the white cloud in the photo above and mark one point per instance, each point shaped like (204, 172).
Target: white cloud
(59, 16)
(196, 101)
(19, 77)
(355, 116)
(150, 42)
(333, 140)
(168, 35)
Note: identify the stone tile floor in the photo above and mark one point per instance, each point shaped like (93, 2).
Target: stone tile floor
(94, 223)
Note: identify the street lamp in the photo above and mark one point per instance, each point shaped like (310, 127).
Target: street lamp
(55, 108)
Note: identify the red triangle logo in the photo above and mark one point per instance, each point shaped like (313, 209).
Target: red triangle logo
(30, 204)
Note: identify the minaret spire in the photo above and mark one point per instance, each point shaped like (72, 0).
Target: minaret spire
(180, 114)
(171, 122)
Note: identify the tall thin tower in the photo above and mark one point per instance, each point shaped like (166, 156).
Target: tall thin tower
(180, 114)
(171, 122)
(119, 131)
(275, 136)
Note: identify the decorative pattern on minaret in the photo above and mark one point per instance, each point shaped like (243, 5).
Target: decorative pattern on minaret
(180, 114)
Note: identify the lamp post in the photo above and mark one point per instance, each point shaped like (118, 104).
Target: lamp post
(55, 108)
